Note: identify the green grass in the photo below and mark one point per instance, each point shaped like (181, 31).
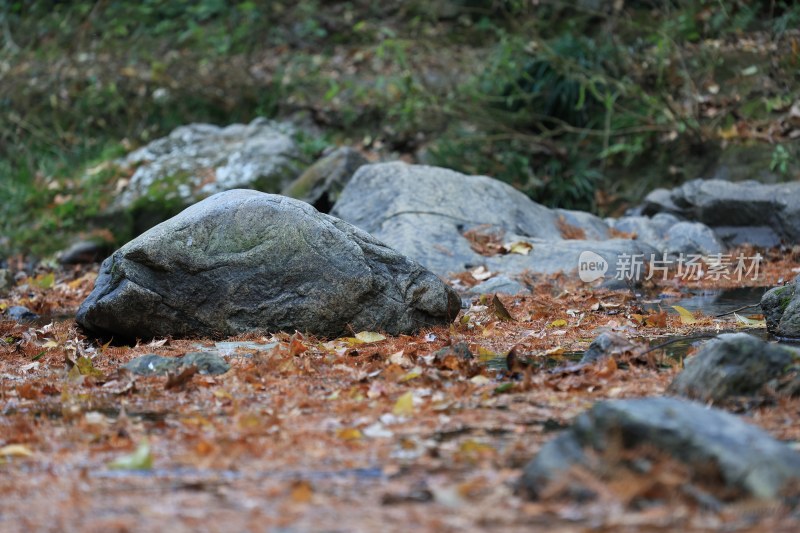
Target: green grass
(559, 101)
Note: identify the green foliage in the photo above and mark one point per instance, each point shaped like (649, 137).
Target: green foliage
(780, 160)
(560, 98)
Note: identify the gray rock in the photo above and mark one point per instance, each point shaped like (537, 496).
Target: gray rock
(198, 160)
(746, 458)
(690, 238)
(659, 201)
(781, 306)
(607, 344)
(19, 313)
(550, 257)
(501, 284)
(83, 252)
(156, 365)
(322, 183)
(733, 364)
(745, 211)
(244, 260)
(590, 226)
(424, 212)
(671, 236)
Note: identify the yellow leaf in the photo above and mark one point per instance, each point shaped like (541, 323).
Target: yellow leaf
(104, 347)
(50, 344)
(474, 447)
(485, 354)
(520, 247)
(686, 316)
(404, 406)
(370, 336)
(480, 379)
(44, 281)
(349, 434)
(411, 374)
(140, 459)
(749, 322)
(86, 367)
(222, 394)
(16, 450)
(560, 323)
(557, 350)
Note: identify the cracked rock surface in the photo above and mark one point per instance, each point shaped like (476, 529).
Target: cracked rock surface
(244, 260)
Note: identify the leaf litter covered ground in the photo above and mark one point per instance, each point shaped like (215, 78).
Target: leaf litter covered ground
(362, 433)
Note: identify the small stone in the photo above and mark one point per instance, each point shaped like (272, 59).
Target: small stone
(156, 365)
(19, 313)
(607, 344)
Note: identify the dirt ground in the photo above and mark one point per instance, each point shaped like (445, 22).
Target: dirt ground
(351, 434)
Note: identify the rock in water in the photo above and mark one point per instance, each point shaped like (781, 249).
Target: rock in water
(244, 260)
(781, 306)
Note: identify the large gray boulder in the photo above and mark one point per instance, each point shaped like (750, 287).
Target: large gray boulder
(425, 212)
(739, 212)
(734, 365)
(243, 260)
(781, 306)
(198, 160)
(710, 442)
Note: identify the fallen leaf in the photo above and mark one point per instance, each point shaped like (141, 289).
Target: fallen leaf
(302, 492)
(749, 322)
(411, 374)
(559, 323)
(155, 344)
(181, 378)
(121, 382)
(404, 406)
(16, 450)
(44, 281)
(686, 316)
(656, 320)
(86, 367)
(370, 336)
(519, 247)
(500, 310)
(481, 273)
(140, 459)
(349, 434)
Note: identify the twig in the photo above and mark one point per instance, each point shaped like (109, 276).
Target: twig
(737, 310)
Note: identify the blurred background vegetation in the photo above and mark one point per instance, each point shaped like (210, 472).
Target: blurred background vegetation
(587, 104)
